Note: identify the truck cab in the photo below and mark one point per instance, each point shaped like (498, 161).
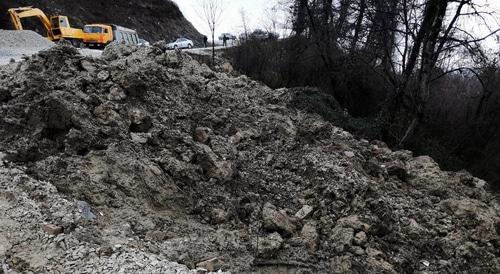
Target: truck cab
(97, 35)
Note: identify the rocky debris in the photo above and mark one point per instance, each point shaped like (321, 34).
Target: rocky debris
(202, 134)
(52, 229)
(277, 220)
(268, 246)
(210, 265)
(84, 208)
(304, 212)
(310, 236)
(179, 163)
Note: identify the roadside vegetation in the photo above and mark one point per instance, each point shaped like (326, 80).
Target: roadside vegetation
(409, 67)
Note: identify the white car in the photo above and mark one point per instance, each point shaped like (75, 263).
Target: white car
(143, 43)
(181, 43)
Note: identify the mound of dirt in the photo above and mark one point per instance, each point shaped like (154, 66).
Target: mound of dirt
(12, 39)
(15, 44)
(153, 19)
(148, 158)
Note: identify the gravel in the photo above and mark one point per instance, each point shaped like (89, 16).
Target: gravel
(16, 44)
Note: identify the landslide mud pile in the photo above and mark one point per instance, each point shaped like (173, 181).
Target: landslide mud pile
(146, 159)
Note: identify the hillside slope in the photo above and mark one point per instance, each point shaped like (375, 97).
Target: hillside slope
(153, 19)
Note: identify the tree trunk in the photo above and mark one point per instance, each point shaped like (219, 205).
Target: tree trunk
(357, 28)
(427, 37)
(213, 47)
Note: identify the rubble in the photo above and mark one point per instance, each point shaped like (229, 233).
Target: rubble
(163, 163)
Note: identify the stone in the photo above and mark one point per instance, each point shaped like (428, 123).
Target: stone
(353, 222)
(140, 121)
(277, 220)
(218, 216)
(88, 66)
(342, 238)
(202, 134)
(341, 264)
(116, 94)
(227, 67)
(397, 169)
(310, 236)
(140, 138)
(52, 229)
(210, 265)
(268, 246)
(358, 250)
(103, 75)
(349, 154)
(106, 114)
(360, 238)
(5, 245)
(304, 212)
(85, 210)
(415, 229)
(212, 165)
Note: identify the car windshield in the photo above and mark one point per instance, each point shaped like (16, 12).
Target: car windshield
(92, 29)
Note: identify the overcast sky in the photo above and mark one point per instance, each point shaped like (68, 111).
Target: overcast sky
(259, 15)
(231, 22)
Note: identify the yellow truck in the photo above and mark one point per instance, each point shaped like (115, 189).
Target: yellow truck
(57, 27)
(100, 35)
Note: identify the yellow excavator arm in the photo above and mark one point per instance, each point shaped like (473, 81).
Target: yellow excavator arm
(16, 14)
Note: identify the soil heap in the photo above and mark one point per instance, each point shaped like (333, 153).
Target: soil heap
(147, 161)
(15, 44)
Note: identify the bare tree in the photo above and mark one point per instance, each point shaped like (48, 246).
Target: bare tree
(244, 22)
(212, 14)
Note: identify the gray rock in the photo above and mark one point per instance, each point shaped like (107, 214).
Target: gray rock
(304, 212)
(277, 220)
(268, 246)
(342, 238)
(85, 210)
(310, 236)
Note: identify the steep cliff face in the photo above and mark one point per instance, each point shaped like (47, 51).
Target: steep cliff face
(153, 19)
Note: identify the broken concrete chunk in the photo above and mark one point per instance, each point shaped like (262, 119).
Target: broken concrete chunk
(140, 138)
(304, 212)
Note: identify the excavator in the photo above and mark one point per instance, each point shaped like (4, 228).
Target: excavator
(57, 28)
